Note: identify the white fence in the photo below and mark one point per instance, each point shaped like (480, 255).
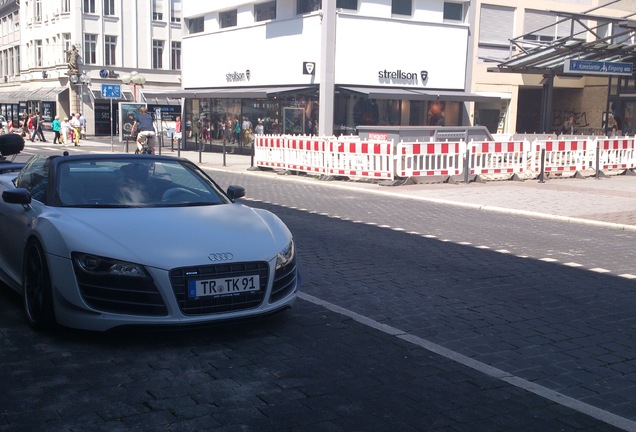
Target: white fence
(382, 159)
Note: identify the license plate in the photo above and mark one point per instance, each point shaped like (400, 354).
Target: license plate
(223, 287)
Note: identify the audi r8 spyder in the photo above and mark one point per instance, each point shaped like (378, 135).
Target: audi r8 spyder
(106, 240)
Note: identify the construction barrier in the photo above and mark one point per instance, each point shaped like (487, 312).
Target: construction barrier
(269, 151)
(498, 157)
(561, 155)
(430, 159)
(382, 159)
(615, 153)
(366, 159)
(306, 154)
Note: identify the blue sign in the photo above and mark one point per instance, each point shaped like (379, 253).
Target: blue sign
(590, 67)
(111, 91)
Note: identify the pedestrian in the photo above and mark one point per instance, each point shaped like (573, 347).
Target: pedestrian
(146, 127)
(237, 133)
(64, 128)
(74, 122)
(56, 126)
(177, 129)
(259, 129)
(568, 126)
(246, 127)
(25, 124)
(37, 124)
(82, 120)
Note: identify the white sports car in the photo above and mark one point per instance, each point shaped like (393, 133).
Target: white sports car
(99, 241)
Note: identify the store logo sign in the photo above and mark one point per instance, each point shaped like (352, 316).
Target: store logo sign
(401, 77)
(238, 76)
(309, 68)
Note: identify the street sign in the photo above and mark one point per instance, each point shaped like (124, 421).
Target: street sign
(590, 67)
(111, 91)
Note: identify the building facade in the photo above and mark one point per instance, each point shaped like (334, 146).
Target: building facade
(593, 100)
(112, 39)
(312, 67)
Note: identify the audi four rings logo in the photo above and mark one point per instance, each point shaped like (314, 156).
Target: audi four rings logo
(226, 256)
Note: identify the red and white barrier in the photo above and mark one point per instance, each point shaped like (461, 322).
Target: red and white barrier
(561, 155)
(615, 153)
(382, 159)
(269, 151)
(491, 157)
(430, 159)
(306, 154)
(367, 159)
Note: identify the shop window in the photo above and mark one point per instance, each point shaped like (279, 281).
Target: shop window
(306, 6)
(453, 11)
(347, 4)
(195, 25)
(402, 7)
(265, 11)
(227, 18)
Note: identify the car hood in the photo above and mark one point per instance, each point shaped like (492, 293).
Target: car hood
(168, 237)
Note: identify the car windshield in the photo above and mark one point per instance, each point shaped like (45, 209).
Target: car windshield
(133, 183)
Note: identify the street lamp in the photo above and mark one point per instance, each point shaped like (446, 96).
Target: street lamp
(82, 80)
(135, 79)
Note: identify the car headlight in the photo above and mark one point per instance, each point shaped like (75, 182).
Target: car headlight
(285, 256)
(100, 266)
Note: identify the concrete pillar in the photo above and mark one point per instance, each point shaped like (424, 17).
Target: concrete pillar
(327, 68)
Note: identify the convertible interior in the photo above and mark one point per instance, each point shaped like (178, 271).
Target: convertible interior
(131, 185)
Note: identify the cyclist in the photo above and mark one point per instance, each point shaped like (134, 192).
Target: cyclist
(147, 129)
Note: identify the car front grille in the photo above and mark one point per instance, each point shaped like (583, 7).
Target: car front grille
(284, 282)
(123, 295)
(218, 304)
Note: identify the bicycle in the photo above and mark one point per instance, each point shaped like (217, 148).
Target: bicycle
(142, 145)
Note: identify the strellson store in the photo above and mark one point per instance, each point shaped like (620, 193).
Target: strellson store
(322, 72)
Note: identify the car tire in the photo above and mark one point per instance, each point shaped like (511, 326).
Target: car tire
(36, 288)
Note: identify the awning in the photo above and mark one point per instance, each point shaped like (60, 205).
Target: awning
(420, 94)
(225, 93)
(41, 94)
(383, 92)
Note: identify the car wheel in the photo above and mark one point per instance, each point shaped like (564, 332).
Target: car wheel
(36, 288)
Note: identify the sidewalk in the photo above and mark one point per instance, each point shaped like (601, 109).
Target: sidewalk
(608, 201)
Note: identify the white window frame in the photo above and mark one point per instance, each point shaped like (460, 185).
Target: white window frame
(110, 50)
(90, 48)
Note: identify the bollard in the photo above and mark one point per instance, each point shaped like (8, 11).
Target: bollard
(466, 166)
(598, 160)
(224, 152)
(252, 154)
(541, 176)
(200, 151)
(127, 138)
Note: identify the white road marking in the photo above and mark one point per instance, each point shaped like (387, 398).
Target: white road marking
(544, 392)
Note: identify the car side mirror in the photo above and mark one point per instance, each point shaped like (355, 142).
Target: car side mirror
(235, 192)
(17, 196)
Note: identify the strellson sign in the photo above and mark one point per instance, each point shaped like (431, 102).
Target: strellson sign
(590, 67)
(402, 77)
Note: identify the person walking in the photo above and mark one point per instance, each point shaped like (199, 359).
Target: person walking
(82, 120)
(74, 122)
(35, 127)
(64, 128)
(56, 126)
(147, 128)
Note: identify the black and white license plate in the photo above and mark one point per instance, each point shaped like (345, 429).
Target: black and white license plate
(223, 286)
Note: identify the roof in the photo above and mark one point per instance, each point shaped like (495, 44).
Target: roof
(550, 58)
